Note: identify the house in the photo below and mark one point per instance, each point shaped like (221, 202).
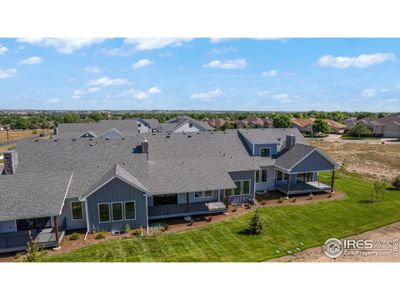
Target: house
(306, 125)
(388, 127)
(148, 125)
(241, 124)
(185, 124)
(255, 122)
(335, 127)
(350, 122)
(52, 185)
(216, 123)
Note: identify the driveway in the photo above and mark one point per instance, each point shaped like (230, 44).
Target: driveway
(336, 138)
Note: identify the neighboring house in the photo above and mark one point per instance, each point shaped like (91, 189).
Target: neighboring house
(306, 125)
(388, 127)
(268, 123)
(148, 125)
(255, 122)
(102, 129)
(216, 123)
(57, 184)
(185, 124)
(241, 124)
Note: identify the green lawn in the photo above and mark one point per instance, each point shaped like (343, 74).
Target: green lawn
(288, 228)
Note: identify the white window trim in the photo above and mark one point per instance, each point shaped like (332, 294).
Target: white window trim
(122, 211)
(202, 193)
(270, 151)
(283, 177)
(72, 212)
(260, 176)
(109, 213)
(134, 205)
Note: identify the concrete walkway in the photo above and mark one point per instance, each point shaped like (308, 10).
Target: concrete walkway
(336, 138)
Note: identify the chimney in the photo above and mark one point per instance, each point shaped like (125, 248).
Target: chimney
(10, 162)
(145, 147)
(290, 141)
(55, 130)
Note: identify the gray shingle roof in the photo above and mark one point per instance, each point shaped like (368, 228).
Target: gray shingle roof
(291, 157)
(75, 130)
(271, 135)
(175, 123)
(33, 195)
(153, 123)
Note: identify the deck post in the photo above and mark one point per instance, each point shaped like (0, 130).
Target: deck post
(288, 186)
(187, 202)
(332, 181)
(55, 221)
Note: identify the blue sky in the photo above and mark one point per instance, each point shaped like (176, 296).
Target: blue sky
(211, 74)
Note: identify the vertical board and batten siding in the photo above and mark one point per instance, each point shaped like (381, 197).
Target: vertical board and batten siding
(244, 175)
(270, 180)
(117, 191)
(67, 213)
(314, 162)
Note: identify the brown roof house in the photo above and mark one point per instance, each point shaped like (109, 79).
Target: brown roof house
(217, 123)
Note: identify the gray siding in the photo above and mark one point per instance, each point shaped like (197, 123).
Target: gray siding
(257, 148)
(245, 175)
(314, 162)
(270, 180)
(67, 213)
(117, 191)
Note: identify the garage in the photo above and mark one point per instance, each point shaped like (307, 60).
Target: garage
(392, 130)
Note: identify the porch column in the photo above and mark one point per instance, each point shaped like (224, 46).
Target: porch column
(288, 186)
(187, 202)
(332, 181)
(55, 222)
(219, 195)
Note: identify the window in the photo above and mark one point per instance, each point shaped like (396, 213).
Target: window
(130, 210)
(190, 125)
(139, 125)
(104, 212)
(117, 211)
(246, 187)
(203, 194)
(262, 176)
(237, 190)
(76, 208)
(265, 152)
(165, 199)
(280, 176)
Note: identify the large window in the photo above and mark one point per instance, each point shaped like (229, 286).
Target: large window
(242, 188)
(30, 224)
(130, 210)
(204, 194)
(165, 199)
(265, 152)
(246, 187)
(280, 176)
(261, 176)
(76, 208)
(117, 211)
(104, 212)
(237, 190)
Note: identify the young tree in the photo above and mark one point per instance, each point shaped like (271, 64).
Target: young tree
(281, 121)
(256, 225)
(379, 190)
(320, 126)
(33, 251)
(396, 183)
(360, 130)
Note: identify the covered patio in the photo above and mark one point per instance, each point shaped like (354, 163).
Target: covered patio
(303, 187)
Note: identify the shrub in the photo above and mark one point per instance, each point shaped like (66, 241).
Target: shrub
(137, 231)
(33, 251)
(166, 226)
(256, 225)
(234, 209)
(74, 236)
(34, 131)
(281, 199)
(208, 219)
(396, 183)
(127, 228)
(100, 235)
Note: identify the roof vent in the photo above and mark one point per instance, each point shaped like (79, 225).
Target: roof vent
(73, 140)
(123, 138)
(91, 144)
(168, 136)
(189, 136)
(55, 140)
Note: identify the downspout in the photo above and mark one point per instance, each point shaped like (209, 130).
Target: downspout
(147, 213)
(87, 218)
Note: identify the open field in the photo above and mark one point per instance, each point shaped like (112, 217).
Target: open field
(15, 135)
(376, 161)
(289, 229)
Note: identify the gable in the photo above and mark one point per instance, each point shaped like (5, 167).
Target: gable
(88, 134)
(112, 133)
(313, 162)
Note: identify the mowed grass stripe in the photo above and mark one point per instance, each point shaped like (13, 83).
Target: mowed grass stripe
(286, 228)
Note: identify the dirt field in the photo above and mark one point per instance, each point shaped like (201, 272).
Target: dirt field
(375, 161)
(387, 233)
(20, 134)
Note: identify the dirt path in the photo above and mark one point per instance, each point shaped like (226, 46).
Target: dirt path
(386, 233)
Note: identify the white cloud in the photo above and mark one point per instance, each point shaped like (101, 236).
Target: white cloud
(270, 73)
(64, 45)
(53, 101)
(263, 93)
(141, 63)
(384, 90)
(34, 60)
(105, 81)
(79, 93)
(154, 90)
(154, 43)
(369, 93)
(391, 100)
(3, 50)
(227, 64)
(208, 95)
(94, 70)
(222, 40)
(361, 61)
(283, 98)
(221, 51)
(7, 73)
